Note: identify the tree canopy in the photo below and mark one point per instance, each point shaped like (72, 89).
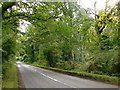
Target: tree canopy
(62, 35)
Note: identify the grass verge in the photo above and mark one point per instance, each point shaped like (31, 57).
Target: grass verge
(96, 77)
(11, 76)
(0, 76)
(0, 81)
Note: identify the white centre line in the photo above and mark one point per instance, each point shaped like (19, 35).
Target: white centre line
(33, 69)
(57, 80)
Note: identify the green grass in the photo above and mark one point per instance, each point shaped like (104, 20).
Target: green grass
(96, 77)
(0, 76)
(11, 77)
(0, 81)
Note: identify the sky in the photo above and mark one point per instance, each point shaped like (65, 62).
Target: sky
(84, 3)
(23, 24)
(99, 5)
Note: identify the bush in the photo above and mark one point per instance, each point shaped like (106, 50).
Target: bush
(10, 76)
(67, 65)
(103, 78)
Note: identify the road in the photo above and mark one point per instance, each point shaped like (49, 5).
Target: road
(34, 77)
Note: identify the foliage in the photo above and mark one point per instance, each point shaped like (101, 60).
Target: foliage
(103, 78)
(10, 80)
(69, 39)
(9, 36)
(61, 35)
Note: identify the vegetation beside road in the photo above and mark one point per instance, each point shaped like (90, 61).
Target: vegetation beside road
(103, 78)
(63, 36)
(10, 75)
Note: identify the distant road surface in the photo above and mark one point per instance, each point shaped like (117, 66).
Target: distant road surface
(34, 77)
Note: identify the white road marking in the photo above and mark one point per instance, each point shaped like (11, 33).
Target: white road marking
(57, 80)
(32, 68)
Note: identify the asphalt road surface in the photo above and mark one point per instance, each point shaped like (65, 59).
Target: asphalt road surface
(34, 77)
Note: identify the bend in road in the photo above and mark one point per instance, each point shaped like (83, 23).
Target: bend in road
(34, 77)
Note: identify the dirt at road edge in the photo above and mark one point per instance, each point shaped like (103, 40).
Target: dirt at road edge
(21, 85)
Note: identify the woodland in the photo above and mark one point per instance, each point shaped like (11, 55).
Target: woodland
(60, 35)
